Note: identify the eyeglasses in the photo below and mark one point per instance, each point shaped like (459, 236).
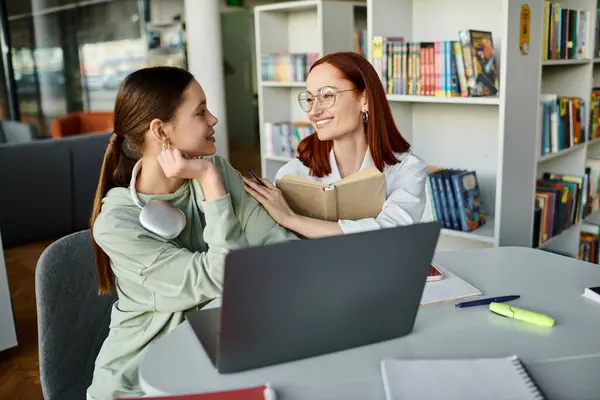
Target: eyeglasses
(325, 95)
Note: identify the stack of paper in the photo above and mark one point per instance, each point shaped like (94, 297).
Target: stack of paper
(450, 288)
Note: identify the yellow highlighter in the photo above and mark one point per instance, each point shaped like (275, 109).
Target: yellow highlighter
(520, 314)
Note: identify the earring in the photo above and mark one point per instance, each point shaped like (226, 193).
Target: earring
(166, 145)
(365, 116)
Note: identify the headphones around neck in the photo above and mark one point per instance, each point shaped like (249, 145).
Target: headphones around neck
(159, 217)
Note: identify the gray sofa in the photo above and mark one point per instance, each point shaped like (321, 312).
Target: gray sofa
(47, 187)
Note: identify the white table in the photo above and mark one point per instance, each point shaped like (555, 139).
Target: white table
(564, 360)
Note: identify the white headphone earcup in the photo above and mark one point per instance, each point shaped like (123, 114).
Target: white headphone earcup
(162, 219)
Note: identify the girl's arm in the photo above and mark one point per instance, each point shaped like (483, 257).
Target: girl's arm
(177, 277)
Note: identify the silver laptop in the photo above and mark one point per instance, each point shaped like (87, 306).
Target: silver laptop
(299, 299)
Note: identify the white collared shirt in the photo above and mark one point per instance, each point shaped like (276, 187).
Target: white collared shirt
(405, 190)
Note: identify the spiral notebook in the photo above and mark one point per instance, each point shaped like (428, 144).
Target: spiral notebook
(480, 379)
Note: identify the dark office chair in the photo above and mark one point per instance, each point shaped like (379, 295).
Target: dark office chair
(73, 319)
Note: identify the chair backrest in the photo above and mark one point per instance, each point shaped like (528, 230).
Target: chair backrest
(73, 319)
(82, 122)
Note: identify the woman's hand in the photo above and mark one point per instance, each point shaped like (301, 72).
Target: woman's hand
(176, 164)
(272, 200)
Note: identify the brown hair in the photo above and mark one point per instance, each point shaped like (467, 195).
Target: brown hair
(144, 95)
(383, 137)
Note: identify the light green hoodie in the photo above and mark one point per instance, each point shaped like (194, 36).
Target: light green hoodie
(157, 280)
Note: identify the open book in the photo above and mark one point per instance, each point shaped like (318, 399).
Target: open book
(360, 195)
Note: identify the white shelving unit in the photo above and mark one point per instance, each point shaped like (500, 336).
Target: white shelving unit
(316, 26)
(571, 78)
(495, 136)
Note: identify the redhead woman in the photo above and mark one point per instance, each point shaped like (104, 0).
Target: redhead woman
(354, 130)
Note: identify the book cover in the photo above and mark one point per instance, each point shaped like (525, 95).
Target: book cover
(360, 195)
(480, 62)
(469, 200)
(264, 392)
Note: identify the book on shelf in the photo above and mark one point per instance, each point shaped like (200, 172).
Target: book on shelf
(360, 42)
(537, 224)
(596, 37)
(563, 201)
(562, 123)
(565, 32)
(589, 243)
(292, 67)
(594, 131)
(360, 195)
(592, 168)
(454, 198)
(446, 68)
(282, 138)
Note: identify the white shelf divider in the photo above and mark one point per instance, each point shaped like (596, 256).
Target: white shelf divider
(493, 101)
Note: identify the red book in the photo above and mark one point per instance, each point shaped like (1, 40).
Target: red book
(264, 392)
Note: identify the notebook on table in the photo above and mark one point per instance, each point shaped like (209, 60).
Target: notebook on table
(449, 288)
(263, 392)
(475, 379)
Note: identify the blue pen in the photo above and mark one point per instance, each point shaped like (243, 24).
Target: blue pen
(482, 302)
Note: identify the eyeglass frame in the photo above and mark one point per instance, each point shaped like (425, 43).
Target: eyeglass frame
(335, 92)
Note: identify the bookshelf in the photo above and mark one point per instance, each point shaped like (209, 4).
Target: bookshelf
(577, 78)
(500, 136)
(307, 30)
(483, 134)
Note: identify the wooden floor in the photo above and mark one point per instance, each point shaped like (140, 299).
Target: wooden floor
(19, 368)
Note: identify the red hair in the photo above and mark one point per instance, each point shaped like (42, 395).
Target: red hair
(383, 137)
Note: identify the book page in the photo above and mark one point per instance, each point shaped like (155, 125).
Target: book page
(297, 179)
(366, 173)
(360, 199)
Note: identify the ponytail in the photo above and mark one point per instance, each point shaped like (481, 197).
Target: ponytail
(144, 95)
(115, 172)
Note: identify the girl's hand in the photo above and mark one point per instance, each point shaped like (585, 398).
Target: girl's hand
(176, 164)
(272, 200)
